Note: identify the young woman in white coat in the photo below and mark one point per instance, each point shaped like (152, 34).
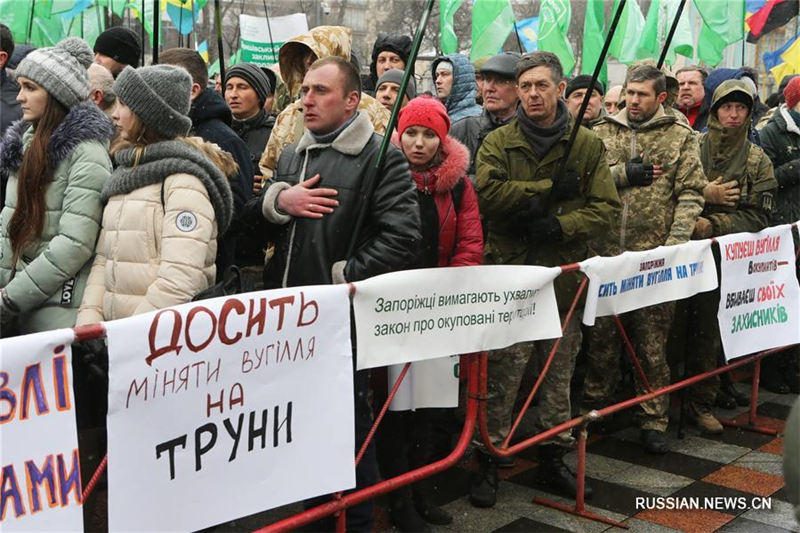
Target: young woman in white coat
(167, 201)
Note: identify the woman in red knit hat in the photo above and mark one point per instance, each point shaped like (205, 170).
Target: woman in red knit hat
(451, 236)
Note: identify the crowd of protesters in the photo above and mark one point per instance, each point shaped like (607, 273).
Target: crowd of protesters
(128, 188)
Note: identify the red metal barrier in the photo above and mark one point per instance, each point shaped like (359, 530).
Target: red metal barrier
(477, 374)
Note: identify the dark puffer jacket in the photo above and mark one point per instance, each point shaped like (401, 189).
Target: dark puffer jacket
(313, 251)
(451, 223)
(461, 102)
(255, 133)
(780, 139)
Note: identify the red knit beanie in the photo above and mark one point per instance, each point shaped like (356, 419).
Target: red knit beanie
(792, 93)
(425, 111)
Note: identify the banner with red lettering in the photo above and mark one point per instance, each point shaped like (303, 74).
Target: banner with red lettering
(226, 407)
(40, 489)
(633, 280)
(759, 305)
(416, 315)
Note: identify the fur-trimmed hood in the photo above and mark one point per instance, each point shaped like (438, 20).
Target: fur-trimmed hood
(84, 122)
(444, 176)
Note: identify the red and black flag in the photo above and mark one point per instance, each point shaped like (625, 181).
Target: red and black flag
(773, 15)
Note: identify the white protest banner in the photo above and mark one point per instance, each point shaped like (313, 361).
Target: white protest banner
(759, 295)
(423, 314)
(633, 280)
(227, 407)
(429, 383)
(40, 482)
(255, 36)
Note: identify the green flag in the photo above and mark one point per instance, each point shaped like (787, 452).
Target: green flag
(448, 39)
(631, 26)
(650, 43)
(554, 18)
(723, 24)
(16, 14)
(492, 22)
(594, 35)
(656, 29)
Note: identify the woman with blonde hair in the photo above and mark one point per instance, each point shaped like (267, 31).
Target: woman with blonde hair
(167, 201)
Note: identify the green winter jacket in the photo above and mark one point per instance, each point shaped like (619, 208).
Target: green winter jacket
(780, 139)
(48, 280)
(508, 174)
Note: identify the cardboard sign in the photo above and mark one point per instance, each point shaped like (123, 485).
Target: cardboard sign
(40, 481)
(415, 315)
(226, 407)
(759, 293)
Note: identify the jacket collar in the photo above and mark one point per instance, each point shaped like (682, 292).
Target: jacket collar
(84, 122)
(351, 141)
(790, 125)
(517, 140)
(660, 118)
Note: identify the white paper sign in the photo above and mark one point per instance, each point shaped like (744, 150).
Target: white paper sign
(40, 481)
(423, 314)
(633, 280)
(227, 407)
(759, 293)
(261, 38)
(430, 383)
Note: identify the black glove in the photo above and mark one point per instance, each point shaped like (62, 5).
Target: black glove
(8, 313)
(91, 356)
(639, 174)
(544, 229)
(534, 207)
(568, 186)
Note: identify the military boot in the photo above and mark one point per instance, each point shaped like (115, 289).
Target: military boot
(403, 514)
(483, 489)
(555, 474)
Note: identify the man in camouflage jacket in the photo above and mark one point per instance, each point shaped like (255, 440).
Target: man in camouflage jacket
(655, 161)
(295, 56)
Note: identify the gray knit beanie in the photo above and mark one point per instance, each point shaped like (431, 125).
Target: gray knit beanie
(60, 70)
(160, 95)
(253, 75)
(396, 76)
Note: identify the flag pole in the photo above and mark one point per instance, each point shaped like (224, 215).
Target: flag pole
(143, 32)
(671, 34)
(519, 42)
(595, 75)
(381, 156)
(30, 21)
(220, 51)
(269, 30)
(156, 31)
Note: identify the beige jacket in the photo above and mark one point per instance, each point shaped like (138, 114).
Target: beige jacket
(152, 255)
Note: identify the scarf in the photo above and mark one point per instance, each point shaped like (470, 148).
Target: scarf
(542, 139)
(724, 151)
(163, 159)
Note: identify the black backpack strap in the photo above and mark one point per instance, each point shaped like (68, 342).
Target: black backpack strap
(458, 194)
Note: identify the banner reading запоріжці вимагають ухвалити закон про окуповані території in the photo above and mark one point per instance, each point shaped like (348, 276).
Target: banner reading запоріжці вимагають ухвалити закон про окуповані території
(255, 36)
(226, 407)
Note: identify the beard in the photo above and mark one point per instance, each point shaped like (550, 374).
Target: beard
(641, 118)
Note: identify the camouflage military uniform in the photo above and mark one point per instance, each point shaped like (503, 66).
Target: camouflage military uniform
(750, 167)
(324, 41)
(663, 213)
(506, 368)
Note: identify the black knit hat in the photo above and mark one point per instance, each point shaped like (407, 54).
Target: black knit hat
(120, 44)
(253, 75)
(582, 82)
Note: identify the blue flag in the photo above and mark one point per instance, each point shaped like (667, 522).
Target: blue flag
(528, 32)
(773, 59)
